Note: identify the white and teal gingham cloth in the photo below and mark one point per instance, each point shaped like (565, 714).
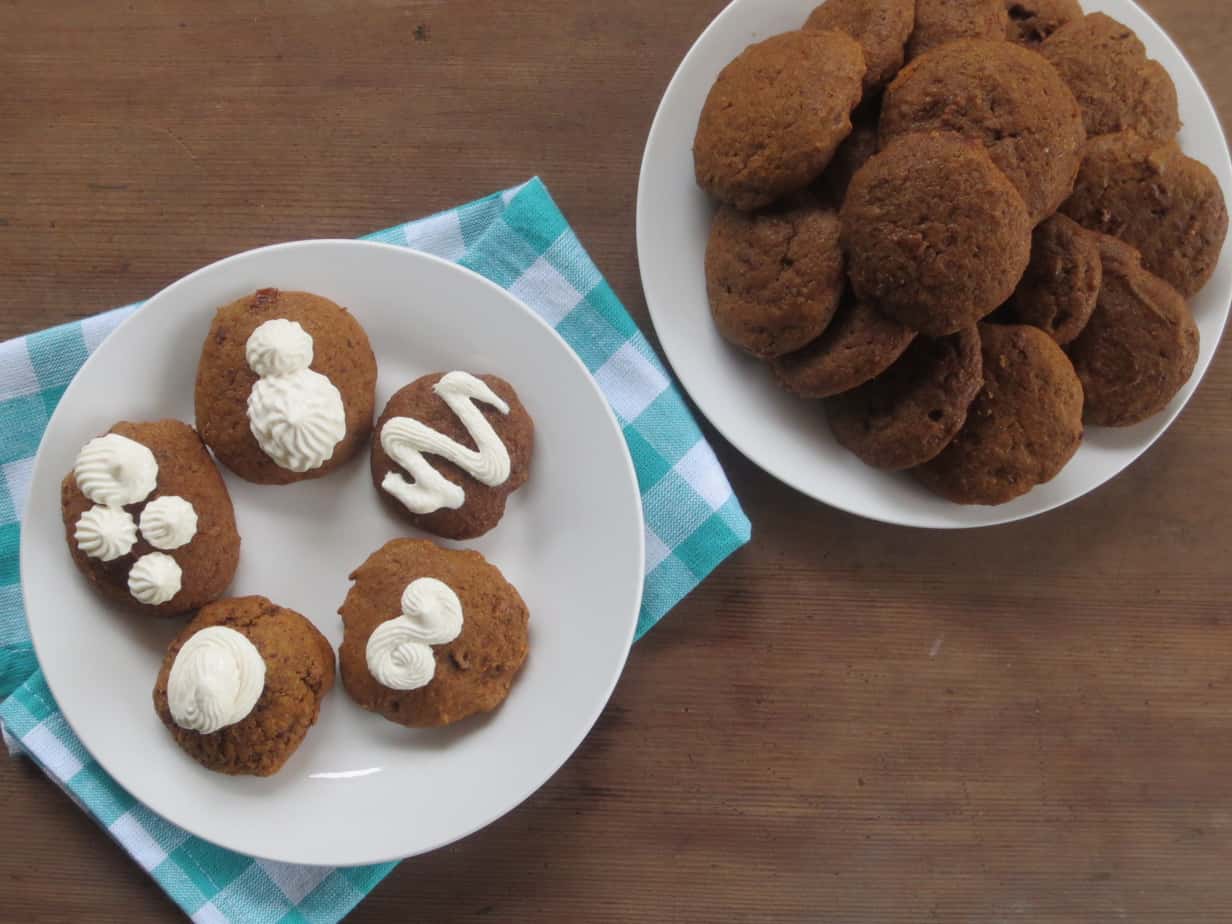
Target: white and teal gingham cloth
(520, 240)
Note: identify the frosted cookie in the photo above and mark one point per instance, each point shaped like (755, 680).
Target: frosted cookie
(286, 386)
(430, 635)
(242, 684)
(148, 518)
(449, 449)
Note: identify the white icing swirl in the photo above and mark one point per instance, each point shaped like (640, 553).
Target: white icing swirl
(215, 681)
(399, 652)
(168, 522)
(105, 533)
(114, 471)
(406, 440)
(155, 578)
(297, 419)
(278, 347)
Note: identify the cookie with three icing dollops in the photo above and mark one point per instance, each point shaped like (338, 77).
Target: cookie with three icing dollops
(430, 635)
(148, 518)
(242, 684)
(449, 449)
(286, 386)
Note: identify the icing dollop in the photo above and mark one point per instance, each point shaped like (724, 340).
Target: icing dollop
(168, 522)
(278, 347)
(105, 533)
(114, 471)
(295, 414)
(406, 440)
(399, 651)
(155, 578)
(215, 681)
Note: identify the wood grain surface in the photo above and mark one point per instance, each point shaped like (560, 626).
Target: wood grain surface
(848, 722)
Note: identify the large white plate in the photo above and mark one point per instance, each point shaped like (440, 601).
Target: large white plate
(360, 789)
(789, 437)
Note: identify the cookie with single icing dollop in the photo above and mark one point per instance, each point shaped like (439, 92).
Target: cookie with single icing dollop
(148, 518)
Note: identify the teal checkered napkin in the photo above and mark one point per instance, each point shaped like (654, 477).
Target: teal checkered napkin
(519, 240)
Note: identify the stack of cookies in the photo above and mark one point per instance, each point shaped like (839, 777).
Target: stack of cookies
(965, 226)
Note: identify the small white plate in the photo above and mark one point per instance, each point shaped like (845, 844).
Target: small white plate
(360, 789)
(788, 437)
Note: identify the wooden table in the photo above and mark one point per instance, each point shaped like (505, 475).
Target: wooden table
(848, 722)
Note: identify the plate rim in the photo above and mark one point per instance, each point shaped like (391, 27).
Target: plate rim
(764, 458)
(40, 463)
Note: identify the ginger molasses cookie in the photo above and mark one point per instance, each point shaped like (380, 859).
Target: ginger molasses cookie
(882, 28)
(1059, 289)
(1007, 98)
(774, 277)
(148, 518)
(449, 449)
(1023, 426)
(910, 413)
(940, 21)
(431, 635)
(1140, 345)
(1118, 87)
(1031, 22)
(1150, 195)
(859, 344)
(934, 234)
(242, 684)
(851, 155)
(775, 116)
(285, 387)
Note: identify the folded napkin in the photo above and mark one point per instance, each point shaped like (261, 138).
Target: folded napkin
(520, 240)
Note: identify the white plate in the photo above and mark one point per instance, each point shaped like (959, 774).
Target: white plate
(789, 437)
(360, 789)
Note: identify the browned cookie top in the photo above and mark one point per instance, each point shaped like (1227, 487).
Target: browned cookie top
(1118, 87)
(474, 672)
(775, 115)
(882, 28)
(1032, 21)
(1007, 98)
(774, 277)
(1140, 345)
(859, 344)
(299, 672)
(207, 562)
(934, 234)
(341, 353)
(909, 413)
(482, 505)
(1024, 425)
(1149, 194)
(1058, 291)
(941, 21)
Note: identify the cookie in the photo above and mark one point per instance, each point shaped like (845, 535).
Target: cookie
(1118, 87)
(1022, 428)
(851, 155)
(430, 635)
(911, 412)
(934, 235)
(882, 28)
(1150, 195)
(774, 277)
(940, 21)
(1007, 98)
(242, 684)
(148, 518)
(1059, 289)
(1031, 22)
(859, 344)
(449, 450)
(286, 386)
(1140, 346)
(775, 116)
